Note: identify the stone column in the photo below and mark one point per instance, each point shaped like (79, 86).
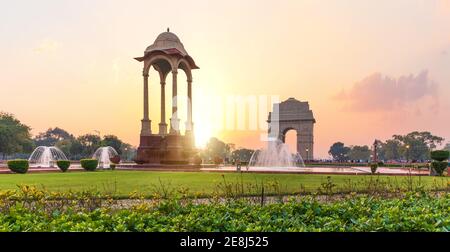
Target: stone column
(146, 123)
(174, 121)
(189, 123)
(163, 124)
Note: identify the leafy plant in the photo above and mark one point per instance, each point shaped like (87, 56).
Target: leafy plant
(89, 164)
(439, 167)
(440, 155)
(19, 165)
(63, 165)
(373, 167)
(36, 210)
(112, 166)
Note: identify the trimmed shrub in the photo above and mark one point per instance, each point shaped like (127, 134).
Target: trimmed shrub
(438, 167)
(19, 165)
(197, 160)
(380, 163)
(89, 164)
(373, 167)
(440, 155)
(112, 166)
(115, 159)
(63, 165)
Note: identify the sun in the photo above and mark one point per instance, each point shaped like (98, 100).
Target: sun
(203, 133)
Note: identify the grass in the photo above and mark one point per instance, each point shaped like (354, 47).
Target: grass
(122, 183)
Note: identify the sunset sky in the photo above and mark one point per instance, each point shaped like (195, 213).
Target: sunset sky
(369, 69)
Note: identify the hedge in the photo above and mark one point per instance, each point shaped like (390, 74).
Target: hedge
(19, 165)
(439, 167)
(412, 213)
(440, 155)
(89, 164)
(63, 165)
(373, 167)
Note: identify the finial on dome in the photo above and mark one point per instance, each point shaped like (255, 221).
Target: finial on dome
(168, 30)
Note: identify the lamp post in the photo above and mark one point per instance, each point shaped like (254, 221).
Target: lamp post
(307, 154)
(407, 153)
(375, 151)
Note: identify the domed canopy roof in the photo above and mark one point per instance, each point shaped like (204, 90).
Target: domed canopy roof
(166, 42)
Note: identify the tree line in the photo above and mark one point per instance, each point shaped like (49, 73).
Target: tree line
(415, 146)
(16, 141)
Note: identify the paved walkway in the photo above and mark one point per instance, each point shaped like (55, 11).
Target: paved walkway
(210, 168)
(323, 170)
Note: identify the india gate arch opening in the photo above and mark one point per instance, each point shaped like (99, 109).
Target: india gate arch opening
(293, 115)
(167, 56)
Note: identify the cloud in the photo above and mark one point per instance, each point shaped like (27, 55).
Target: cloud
(383, 93)
(47, 46)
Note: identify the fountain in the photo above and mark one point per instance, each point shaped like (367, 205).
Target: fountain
(276, 156)
(105, 156)
(44, 156)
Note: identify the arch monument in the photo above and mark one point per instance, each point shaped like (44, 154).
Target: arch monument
(293, 115)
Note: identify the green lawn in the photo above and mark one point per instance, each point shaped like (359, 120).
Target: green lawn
(122, 183)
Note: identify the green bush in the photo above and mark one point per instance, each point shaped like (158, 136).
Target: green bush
(19, 165)
(63, 165)
(439, 167)
(412, 213)
(89, 164)
(380, 163)
(112, 166)
(373, 167)
(440, 155)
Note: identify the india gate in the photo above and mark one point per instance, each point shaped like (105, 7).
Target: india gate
(293, 114)
(166, 55)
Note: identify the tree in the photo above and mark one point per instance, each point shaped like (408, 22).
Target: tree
(65, 146)
(113, 141)
(390, 150)
(339, 152)
(128, 152)
(215, 148)
(89, 144)
(243, 155)
(15, 137)
(52, 136)
(417, 145)
(359, 153)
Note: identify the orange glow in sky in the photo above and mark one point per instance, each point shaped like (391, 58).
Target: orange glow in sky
(369, 69)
